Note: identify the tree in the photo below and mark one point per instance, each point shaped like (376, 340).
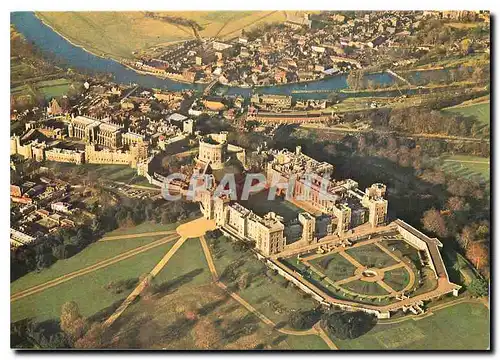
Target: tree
(93, 338)
(466, 237)
(72, 322)
(244, 280)
(60, 252)
(303, 320)
(477, 253)
(347, 325)
(355, 79)
(434, 222)
(455, 203)
(478, 287)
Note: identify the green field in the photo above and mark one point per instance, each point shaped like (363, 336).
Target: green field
(54, 88)
(307, 342)
(88, 290)
(470, 167)
(273, 296)
(146, 226)
(48, 89)
(188, 265)
(371, 256)
(365, 288)
(334, 266)
(397, 278)
(92, 254)
(259, 204)
(122, 173)
(479, 111)
(463, 326)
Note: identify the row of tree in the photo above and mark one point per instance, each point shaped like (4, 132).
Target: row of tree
(67, 242)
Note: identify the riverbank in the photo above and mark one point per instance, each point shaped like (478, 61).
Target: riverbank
(47, 38)
(72, 42)
(158, 75)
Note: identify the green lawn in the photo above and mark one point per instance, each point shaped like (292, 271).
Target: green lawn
(267, 294)
(459, 327)
(147, 226)
(365, 288)
(397, 278)
(260, 205)
(371, 256)
(402, 249)
(334, 266)
(307, 342)
(470, 167)
(121, 173)
(54, 88)
(92, 254)
(188, 265)
(480, 111)
(88, 290)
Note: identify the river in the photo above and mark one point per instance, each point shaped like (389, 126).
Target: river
(76, 57)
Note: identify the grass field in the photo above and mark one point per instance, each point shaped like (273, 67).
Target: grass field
(54, 88)
(365, 288)
(121, 173)
(270, 295)
(47, 88)
(397, 278)
(480, 111)
(259, 204)
(371, 256)
(147, 226)
(335, 266)
(470, 167)
(88, 290)
(90, 255)
(463, 326)
(189, 312)
(188, 265)
(119, 34)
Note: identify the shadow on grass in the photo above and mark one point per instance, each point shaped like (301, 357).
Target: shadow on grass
(169, 287)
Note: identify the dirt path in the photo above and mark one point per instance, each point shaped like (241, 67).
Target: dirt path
(468, 161)
(316, 330)
(208, 256)
(89, 269)
(142, 285)
(134, 236)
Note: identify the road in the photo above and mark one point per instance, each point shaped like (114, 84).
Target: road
(468, 161)
(134, 236)
(144, 283)
(89, 269)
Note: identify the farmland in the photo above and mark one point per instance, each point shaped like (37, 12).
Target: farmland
(121, 34)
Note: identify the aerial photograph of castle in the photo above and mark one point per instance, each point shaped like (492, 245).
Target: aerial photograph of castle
(250, 180)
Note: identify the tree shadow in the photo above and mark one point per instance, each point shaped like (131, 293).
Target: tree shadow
(238, 328)
(169, 287)
(105, 313)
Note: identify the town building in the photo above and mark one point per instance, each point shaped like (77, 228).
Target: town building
(95, 131)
